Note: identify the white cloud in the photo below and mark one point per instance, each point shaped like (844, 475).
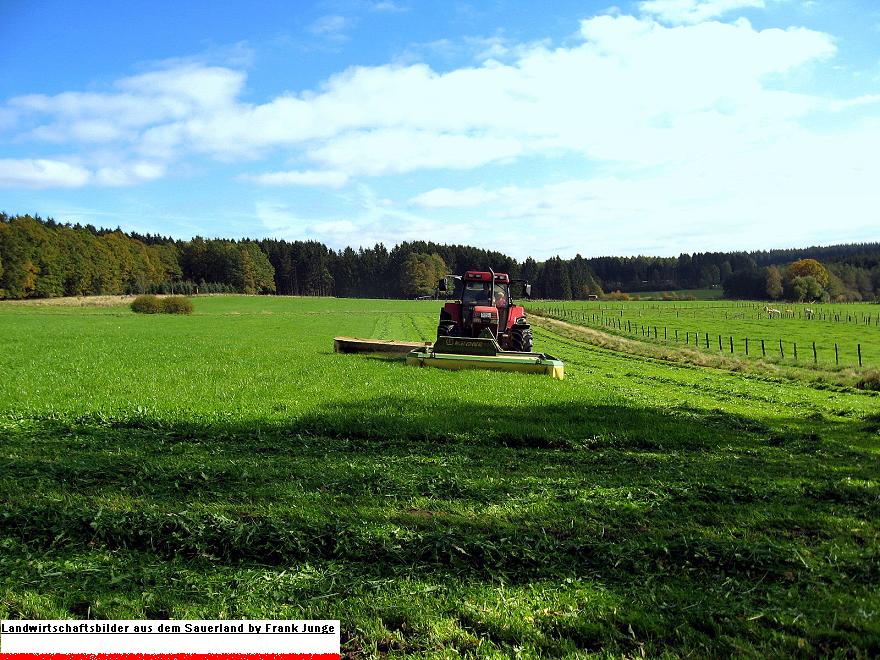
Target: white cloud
(46, 173)
(468, 50)
(393, 151)
(90, 130)
(129, 174)
(331, 26)
(632, 92)
(867, 99)
(192, 87)
(142, 100)
(694, 11)
(374, 222)
(803, 189)
(447, 198)
(327, 178)
(8, 118)
(388, 7)
(142, 118)
(41, 173)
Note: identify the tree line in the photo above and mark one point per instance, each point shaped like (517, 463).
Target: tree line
(807, 279)
(44, 258)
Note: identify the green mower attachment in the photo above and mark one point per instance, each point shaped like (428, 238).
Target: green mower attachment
(483, 353)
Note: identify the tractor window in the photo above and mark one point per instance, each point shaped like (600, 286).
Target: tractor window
(475, 293)
(502, 295)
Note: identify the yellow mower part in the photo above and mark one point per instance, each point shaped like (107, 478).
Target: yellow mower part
(457, 353)
(508, 361)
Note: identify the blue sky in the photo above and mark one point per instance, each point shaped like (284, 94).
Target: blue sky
(651, 127)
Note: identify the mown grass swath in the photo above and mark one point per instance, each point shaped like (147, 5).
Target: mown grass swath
(843, 335)
(229, 464)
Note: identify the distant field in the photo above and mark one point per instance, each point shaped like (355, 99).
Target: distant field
(698, 294)
(230, 465)
(73, 301)
(683, 323)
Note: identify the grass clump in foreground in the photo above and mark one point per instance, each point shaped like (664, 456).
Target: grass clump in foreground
(150, 304)
(870, 380)
(636, 507)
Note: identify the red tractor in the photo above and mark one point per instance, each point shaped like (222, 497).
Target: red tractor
(484, 308)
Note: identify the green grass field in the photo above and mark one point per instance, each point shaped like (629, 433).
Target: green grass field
(849, 326)
(697, 294)
(229, 464)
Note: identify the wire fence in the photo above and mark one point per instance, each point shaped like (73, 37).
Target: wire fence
(749, 310)
(783, 349)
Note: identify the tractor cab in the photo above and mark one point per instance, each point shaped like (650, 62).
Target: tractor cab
(482, 299)
(484, 308)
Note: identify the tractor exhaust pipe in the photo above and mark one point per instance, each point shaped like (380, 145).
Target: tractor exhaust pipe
(492, 287)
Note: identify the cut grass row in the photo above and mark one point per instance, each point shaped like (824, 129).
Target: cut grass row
(808, 375)
(229, 464)
(745, 327)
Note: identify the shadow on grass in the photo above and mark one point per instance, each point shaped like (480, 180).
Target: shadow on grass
(637, 498)
(519, 490)
(655, 505)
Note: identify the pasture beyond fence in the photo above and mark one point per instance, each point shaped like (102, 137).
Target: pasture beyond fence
(745, 329)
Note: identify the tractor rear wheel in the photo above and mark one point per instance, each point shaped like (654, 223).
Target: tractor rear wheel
(521, 340)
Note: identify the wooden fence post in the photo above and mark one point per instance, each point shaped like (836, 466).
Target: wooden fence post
(763, 350)
(731, 345)
(747, 346)
(836, 355)
(781, 352)
(815, 358)
(859, 347)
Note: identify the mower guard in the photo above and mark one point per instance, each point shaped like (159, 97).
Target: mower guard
(483, 353)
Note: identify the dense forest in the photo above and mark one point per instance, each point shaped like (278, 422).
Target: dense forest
(45, 258)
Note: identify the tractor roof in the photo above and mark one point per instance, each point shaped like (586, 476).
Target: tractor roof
(482, 276)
